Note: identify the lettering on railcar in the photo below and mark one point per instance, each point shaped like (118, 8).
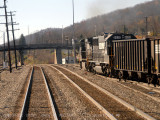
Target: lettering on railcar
(127, 37)
(157, 49)
(117, 37)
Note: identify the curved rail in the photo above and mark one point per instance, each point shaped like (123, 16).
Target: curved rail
(131, 107)
(105, 112)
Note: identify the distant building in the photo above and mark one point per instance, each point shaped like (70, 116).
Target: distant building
(65, 60)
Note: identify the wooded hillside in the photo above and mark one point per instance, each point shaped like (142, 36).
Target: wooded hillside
(133, 19)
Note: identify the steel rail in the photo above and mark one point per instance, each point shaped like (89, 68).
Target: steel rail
(50, 98)
(131, 107)
(101, 108)
(26, 95)
(152, 97)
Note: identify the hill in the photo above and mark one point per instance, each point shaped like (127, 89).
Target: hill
(133, 18)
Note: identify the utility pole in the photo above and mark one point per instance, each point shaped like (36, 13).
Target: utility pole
(67, 39)
(28, 29)
(4, 47)
(95, 30)
(153, 30)
(14, 38)
(9, 55)
(7, 30)
(29, 42)
(124, 29)
(73, 40)
(146, 18)
(62, 35)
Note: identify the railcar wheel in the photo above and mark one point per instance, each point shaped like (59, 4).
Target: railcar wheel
(120, 76)
(80, 65)
(110, 75)
(158, 82)
(107, 72)
(94, 72)
(149, 80)
(155, 80)
(90, 68)
(86, 66)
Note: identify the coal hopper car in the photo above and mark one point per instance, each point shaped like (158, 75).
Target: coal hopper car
(137, 59)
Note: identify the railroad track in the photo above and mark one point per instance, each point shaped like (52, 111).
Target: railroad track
(142, 88)
(145, 85)
(38, 102)
(146, 91)
(141, 84)
(109, 103)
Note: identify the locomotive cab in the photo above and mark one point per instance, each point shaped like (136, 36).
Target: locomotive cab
(99, 52)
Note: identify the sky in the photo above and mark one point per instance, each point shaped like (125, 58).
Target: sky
(35, 15)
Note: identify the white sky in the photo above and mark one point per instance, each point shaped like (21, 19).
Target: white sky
(41, 14)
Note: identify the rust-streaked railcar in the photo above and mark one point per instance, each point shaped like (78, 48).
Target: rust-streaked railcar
(137, 59)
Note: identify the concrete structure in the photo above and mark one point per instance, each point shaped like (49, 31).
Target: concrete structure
(58, 48)
(58, 56)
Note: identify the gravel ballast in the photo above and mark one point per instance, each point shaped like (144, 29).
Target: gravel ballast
(115, 108)
(72, 105)
(140, 101)
(10, 86)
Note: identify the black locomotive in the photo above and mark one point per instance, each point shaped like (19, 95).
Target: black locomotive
(122, 56)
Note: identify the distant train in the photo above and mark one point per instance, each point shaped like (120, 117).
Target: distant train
(122, 56)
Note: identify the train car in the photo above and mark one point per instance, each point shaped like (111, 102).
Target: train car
(96, 55)
(122, 56)
(155, 59)
(93, 53)
(137, 59)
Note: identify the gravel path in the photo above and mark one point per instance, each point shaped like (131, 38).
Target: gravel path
(10, 87)
(72, 105)
(140, 101)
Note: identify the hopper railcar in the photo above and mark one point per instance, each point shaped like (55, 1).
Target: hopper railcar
(137, 59)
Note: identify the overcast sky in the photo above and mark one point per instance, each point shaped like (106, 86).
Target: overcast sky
(41, 14)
